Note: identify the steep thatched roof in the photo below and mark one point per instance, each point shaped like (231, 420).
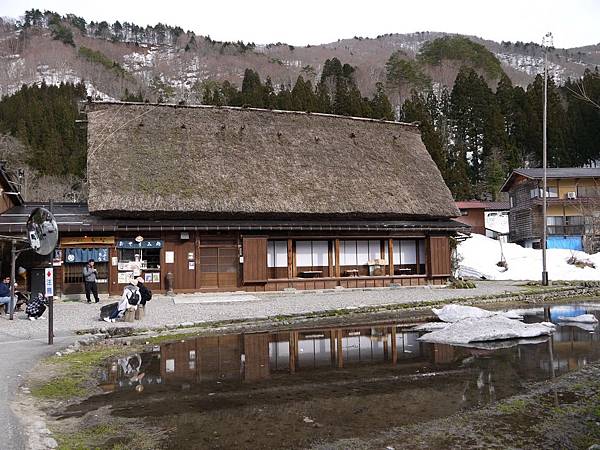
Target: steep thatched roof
(166, 160)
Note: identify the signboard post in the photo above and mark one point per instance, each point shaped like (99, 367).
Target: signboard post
(49, 293)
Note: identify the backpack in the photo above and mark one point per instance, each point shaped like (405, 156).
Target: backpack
(134, 298)
(146, 294)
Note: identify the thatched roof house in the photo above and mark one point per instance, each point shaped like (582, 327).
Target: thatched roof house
(167, 160)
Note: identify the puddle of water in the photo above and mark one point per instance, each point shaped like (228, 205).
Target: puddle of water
(303, 386)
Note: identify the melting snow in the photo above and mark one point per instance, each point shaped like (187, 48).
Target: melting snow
(479, 256)
(493, 328)
(584, 318)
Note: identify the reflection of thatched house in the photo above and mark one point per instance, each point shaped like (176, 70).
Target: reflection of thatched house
(229, 198)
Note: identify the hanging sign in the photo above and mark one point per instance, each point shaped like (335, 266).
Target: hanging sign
(132, 243)
(49, 282)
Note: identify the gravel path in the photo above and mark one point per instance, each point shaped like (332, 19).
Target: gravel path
(71, 316)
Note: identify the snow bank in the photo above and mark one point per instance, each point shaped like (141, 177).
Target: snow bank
(454, 313)
(584, 318)
(479, 256)
(487, 329)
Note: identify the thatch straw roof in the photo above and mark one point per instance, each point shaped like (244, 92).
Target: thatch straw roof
(167, 160)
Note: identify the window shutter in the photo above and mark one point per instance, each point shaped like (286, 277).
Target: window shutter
(439, 256)
(255, 259)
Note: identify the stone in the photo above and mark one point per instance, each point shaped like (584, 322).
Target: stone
(50, 442)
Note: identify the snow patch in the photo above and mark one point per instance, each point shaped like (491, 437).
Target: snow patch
(479, 256)
(583, 318)
(493, 328)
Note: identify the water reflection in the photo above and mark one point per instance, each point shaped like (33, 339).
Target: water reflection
(252, 357)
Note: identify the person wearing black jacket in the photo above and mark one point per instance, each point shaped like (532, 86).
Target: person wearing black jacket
(145, 293)
(5, 293)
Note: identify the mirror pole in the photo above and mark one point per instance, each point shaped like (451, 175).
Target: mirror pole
(13, 262)
(51, 299)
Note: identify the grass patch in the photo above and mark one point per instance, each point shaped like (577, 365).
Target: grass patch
(170, 337)
(81, 440)
(74, 370)
(516, 406)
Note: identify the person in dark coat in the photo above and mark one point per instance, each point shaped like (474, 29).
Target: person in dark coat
(5, 293)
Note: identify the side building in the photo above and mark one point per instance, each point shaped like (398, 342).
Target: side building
(573, 208)
(216, 199)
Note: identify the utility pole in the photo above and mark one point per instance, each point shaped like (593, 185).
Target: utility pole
(545, 41)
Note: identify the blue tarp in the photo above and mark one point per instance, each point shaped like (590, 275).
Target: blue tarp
(82, 255)
(565, 242)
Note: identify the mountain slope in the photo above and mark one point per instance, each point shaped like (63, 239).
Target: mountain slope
(165, 61)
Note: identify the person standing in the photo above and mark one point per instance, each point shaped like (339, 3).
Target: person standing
(90, 277)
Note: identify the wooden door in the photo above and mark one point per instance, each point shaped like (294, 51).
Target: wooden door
(218, 267)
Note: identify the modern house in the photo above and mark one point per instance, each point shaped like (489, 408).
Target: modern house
(207, 199)
(573, 207)
(487, 218)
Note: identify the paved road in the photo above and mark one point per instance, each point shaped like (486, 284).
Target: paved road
(70, 316)
(16, 359)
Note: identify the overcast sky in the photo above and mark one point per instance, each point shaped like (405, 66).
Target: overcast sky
(301, 22)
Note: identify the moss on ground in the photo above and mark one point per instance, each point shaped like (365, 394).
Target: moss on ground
(73, 371)
(515, 406)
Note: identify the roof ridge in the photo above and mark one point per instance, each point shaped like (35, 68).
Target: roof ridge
(244, 108)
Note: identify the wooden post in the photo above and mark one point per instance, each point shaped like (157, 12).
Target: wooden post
(391, 256)
(340, 350)
(290, 259)
(293, 350)
(337, 258)
(418, 260)
(330, 258)
(140, 312)
(394, 346)
(129, 315)
(332, 347)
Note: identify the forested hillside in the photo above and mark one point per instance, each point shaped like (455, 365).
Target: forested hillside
(479, 118)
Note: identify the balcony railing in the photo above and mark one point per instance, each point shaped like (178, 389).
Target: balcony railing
(566, 230)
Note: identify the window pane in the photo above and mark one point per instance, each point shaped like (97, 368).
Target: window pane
(397, 259)
(270, 253)
(422, 258)
(374, 249)
(280, 254)
(303, 254)
(362, 252)
(320, 252)
(408, 252)
(348, 253)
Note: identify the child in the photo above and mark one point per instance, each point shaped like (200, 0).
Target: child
(36, 307)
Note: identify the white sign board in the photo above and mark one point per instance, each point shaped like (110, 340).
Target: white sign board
(49, 282)
(169, 257)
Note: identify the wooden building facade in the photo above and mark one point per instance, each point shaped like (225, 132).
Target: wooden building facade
(220, 199)
(573, 205)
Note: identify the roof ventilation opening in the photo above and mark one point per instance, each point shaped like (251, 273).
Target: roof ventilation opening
(317, 138)
(279, 134)
(352, 135)
(183, 126)
(141, 124)
(243, 127)
(222, 126)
